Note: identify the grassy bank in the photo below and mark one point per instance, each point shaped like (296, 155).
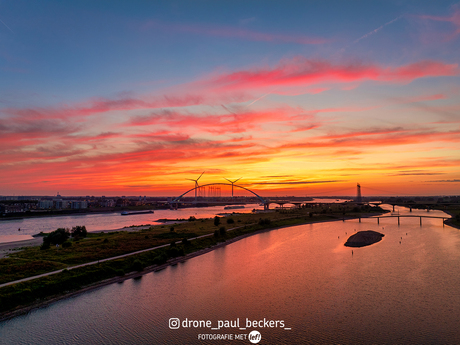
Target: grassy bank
(33, 261)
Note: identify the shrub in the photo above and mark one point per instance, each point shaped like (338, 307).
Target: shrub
(216, 221)
(265, 221)
(185, 241)
(230, 221)
(120, 272)
(222, 231)
(216, 233)
(106, 240)
(175, 252)
(79, 231)
(58, 236)
(45, 245)
(160, 259)
(137, 265)
(171, 229)
(192, 218)
(66, 244)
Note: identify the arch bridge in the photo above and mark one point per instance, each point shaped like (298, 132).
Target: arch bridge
(265, 202)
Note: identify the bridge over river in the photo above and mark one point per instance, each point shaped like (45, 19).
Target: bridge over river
(409, 216)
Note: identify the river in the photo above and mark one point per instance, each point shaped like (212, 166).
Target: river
(402, 290)
(103, 221)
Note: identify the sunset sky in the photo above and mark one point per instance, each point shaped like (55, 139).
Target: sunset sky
(296, 97)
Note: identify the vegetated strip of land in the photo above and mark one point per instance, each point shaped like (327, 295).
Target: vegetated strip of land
(172, 242)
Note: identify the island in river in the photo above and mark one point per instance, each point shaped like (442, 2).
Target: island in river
(364, 238)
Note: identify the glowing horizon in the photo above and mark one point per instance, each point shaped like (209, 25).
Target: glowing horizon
(100, 99)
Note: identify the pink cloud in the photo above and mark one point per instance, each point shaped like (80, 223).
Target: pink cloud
(454, 19)
(216, 123)
(304, 72)
(295, 76)
(425, 98)
(102, 105)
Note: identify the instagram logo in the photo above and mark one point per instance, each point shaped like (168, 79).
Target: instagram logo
(174, 323)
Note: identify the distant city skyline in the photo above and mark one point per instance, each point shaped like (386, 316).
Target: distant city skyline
(298, 98)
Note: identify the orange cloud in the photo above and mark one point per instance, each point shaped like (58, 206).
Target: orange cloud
(384, 137)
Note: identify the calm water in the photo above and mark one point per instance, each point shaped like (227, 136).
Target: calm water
(387, 293)
(103, 221)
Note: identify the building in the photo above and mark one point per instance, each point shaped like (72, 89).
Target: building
(79, 204)
(45, 204)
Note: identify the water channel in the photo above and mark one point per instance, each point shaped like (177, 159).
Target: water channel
(104, 221)
(402, 290)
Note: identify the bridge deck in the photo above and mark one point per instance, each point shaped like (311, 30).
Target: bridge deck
(414, 216)
(409, 216)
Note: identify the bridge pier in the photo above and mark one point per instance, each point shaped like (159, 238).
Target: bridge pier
(420, 221)
(378, 220)
(360, 219)
(398, 219)
(393, 208)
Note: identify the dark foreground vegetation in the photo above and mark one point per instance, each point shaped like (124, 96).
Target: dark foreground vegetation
(85, 247)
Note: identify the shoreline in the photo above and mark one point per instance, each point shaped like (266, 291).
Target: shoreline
(155, 268)
(7, 247)
(449, 221)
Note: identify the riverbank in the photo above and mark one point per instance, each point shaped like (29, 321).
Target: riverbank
(452, 221)
(157, 267)
(8, 247)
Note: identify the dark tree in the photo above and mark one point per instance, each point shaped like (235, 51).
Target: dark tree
(58, 236)
(216, 221)
(79, 231)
